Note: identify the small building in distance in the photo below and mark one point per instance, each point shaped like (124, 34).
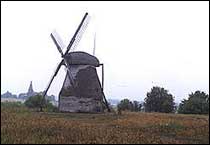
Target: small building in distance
(9, 97)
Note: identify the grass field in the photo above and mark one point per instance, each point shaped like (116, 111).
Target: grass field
(20, 125)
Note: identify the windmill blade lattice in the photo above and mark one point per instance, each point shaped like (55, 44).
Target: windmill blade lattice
(80, 33)
(58, 39)
(56, 43)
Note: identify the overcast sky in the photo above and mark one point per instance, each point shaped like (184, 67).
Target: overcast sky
(142, 44)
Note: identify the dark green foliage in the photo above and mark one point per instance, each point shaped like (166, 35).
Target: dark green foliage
(197, 103)
(37, 102)
(12, 104)
(159, 100)
(51, 108)
(126, 104)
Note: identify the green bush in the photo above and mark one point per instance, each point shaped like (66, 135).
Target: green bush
(37, 102)
(126, 104)
(51, 108)
(12, 104)
(197, 103)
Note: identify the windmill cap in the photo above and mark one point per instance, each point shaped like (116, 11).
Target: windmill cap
(81, 58)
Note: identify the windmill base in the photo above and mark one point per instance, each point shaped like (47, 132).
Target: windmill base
(86, 105)
(85, 95)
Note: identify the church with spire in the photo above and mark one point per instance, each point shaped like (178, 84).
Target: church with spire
(29, 93)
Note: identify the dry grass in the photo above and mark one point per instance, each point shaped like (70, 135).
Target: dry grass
(19, 125)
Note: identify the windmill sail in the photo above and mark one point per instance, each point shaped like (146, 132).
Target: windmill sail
(75, 34)
(53, 76)
(80, 33)
(56, 43)
(58, 39)
(94, 47)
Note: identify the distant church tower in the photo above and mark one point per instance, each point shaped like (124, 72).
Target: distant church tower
(30, 90)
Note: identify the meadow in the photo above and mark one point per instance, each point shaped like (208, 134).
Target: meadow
(21, 125)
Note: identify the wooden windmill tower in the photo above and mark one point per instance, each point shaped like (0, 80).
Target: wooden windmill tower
(82, 90)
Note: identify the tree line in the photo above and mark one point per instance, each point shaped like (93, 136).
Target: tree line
(157, 100)
(160, 100)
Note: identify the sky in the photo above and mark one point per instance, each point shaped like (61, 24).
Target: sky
(142, 44)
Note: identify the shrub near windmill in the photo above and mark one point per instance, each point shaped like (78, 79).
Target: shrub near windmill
(82, 90)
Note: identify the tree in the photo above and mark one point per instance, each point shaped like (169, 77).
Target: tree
(159, 100)
(37, 102)
(197, 103)
(125, 104)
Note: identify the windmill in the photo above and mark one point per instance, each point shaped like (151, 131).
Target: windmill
(81, 90)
